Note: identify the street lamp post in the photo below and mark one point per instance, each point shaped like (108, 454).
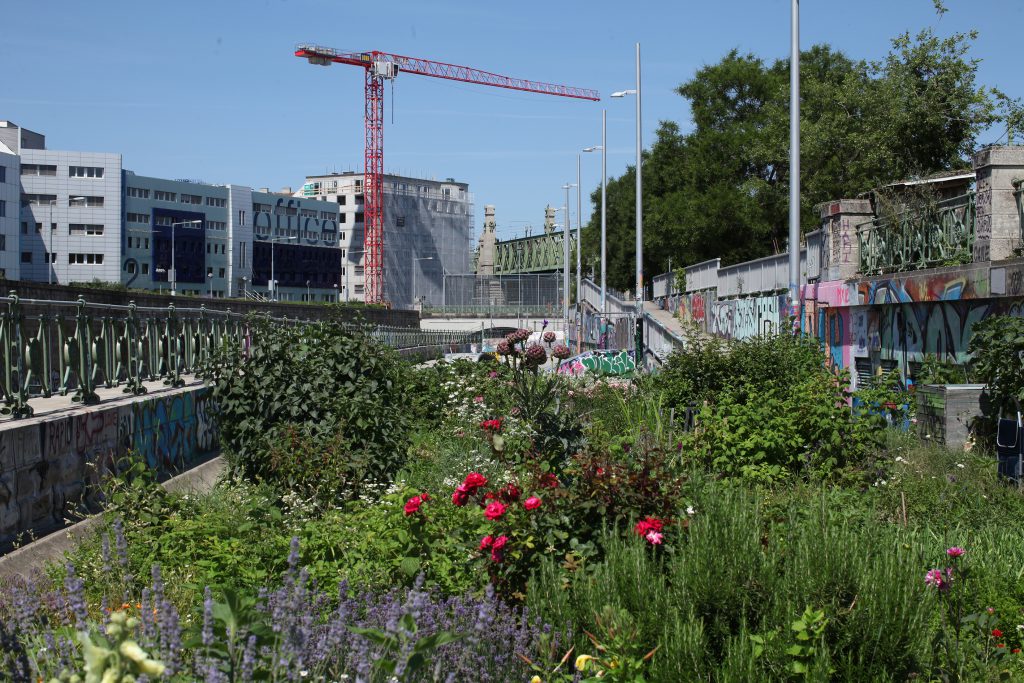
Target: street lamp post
(414, 260)
(174, 271)
(209, 280)
(566, 237)
(639, 212)
(273, 283)
(307, 291)
(595, 148)
(245, 290)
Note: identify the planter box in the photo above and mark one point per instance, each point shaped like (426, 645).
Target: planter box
(945, 412)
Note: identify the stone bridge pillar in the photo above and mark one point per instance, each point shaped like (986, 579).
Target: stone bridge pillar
(840, 251)
(997, 228)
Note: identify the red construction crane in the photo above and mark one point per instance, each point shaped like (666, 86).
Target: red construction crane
(382, 66)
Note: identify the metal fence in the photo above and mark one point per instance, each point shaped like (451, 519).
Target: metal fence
(528, 293)
(72, 348)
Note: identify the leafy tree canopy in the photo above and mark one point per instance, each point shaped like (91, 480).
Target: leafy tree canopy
(722, 189)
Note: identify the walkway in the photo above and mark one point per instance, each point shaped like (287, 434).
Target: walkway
(55, 404)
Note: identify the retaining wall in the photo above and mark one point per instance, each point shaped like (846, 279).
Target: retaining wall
(50, 465)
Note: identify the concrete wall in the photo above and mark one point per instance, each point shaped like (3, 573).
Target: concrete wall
(49, 465)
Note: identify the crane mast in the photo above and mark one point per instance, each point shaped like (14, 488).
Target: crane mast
(382, 66)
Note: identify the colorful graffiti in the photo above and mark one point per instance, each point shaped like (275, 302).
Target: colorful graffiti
(50, 465)
(172, 431)
(949, 285)
(616, 363)
(748, 317)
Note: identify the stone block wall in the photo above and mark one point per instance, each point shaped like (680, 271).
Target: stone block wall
(50, 465)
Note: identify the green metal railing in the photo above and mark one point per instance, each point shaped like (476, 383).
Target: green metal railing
(72, 348)
(942, 235)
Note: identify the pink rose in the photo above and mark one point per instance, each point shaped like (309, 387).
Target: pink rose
(494, 511)
(486, 542)
(654, 537)
(532, 503)
(955, 551)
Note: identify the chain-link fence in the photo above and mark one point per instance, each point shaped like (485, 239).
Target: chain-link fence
(526, 294)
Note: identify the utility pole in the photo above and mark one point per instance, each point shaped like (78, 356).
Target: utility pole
(794, 162)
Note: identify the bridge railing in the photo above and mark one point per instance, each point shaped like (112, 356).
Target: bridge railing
(73, 348)
(940, 234)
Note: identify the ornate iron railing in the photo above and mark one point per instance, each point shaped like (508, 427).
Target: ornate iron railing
(941, 235)
(72, 348)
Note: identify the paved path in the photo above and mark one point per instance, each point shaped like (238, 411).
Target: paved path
(668, 321)
(48, 407)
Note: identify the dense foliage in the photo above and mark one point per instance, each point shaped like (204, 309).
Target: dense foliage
(564, 528)
(721, 189)
(313, 389)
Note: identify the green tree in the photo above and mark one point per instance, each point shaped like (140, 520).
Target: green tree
(721, 190)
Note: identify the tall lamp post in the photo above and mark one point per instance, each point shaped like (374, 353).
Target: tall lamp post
(174, 271)
(414, 260)
(566, 238)
(794, 161)
(601, 148)
(273, 282)
(639, 213)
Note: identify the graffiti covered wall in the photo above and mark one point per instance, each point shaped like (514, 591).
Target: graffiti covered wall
(611, 362)
(50, 465)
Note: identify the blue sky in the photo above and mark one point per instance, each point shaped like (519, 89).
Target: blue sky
(210, 90)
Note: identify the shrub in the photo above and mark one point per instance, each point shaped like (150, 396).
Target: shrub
(708, 365)
(996, 347)
(769, 433)
(332, 382)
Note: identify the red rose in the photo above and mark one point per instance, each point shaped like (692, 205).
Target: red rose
(647, 525)
(461, 496)
(473, 481)
(486, 542)
(412, 506)
(494, 511)
(996, 633)
(549, 481)
(510, 493)
(498, 549)
(532, 503)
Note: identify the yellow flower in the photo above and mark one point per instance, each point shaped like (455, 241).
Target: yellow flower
(536, 679)
(581, 662)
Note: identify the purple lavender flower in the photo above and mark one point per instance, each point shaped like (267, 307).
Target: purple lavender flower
(207, 617)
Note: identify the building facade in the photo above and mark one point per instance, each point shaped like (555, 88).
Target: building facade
(9, 202)
(79, 216)
(428, 233)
